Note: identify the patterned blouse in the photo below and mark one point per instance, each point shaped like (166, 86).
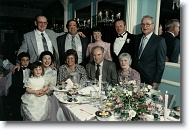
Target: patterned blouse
(63, 73)
(106, 47)
(129, 75)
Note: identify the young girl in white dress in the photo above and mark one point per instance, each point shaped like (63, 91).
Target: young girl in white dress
(35, 101)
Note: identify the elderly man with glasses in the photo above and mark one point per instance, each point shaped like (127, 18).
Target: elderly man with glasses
(150, 53)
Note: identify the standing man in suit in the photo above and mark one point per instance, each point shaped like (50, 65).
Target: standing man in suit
(123, 42)
(33, 43)
(173, 44)
(101, 66)
(72, 40)
(150, 53)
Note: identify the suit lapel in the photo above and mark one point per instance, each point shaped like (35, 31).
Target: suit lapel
(34, 42)
(148, 45)
(93, 71)
(104, 70)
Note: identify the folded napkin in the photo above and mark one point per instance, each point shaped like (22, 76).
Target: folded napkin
(69, 83)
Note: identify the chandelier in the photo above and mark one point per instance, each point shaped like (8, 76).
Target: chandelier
(83, 24)
(107, 17)
(176, 4)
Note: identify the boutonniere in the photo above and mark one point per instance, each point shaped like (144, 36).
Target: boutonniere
(128, 40)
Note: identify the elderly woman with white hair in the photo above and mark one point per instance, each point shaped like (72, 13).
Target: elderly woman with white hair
(126, 73)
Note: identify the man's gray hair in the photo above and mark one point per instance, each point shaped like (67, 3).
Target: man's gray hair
(125, 55)
(148, 16)
(95, 47)
(171, 23)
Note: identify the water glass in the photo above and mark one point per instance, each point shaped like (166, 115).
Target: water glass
(94, 96)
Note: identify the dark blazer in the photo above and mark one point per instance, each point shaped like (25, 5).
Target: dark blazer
(152, 61)
(173, 47)
(16, 90)
(109, 72)
(127, 48)
(61, 49)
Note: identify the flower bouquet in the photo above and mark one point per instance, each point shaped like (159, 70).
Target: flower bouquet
(130, 100)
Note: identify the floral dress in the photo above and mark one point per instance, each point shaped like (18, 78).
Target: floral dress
(50, 78)
(63, 74)
(35, 108)
(129, 75)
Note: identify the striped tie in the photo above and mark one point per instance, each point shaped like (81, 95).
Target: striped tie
(44, 42)
(73, 43)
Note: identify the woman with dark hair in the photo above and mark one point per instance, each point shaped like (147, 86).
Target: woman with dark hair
(71, 66)
(97, 35)
(50, 75)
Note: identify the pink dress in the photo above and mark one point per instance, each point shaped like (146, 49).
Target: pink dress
(106, 47)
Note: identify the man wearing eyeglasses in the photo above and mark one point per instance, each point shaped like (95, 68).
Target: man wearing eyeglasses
(172, 28)
(39, 40)
(150, 53)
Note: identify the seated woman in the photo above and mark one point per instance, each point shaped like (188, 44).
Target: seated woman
(50, 75)
(127, 73)
(71, 67)
(97, 35)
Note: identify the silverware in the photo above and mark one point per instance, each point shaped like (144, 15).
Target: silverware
(86, 111)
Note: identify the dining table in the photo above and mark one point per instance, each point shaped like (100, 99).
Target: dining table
(83, 110)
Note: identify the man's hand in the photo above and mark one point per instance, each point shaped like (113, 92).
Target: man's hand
(16, 67)
(81, 34)
(155, 85)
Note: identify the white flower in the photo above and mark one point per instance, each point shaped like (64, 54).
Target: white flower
(128, 40)
(130, 93)
(132, 113)
(149, 86)
(114, 89)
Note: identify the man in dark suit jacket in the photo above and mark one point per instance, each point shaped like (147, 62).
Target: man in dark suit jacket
(173, 43)
(149, 58)
(123, 42)
(64, 43)
(107, 68)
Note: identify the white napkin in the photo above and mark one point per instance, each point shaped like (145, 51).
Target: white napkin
(69, 83)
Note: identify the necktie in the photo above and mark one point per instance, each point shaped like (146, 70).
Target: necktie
(141, 46)
(44, 42)
(97, 72)
(73, 43)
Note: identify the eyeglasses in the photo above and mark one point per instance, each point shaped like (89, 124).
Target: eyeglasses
(40, 22)
(147, 24)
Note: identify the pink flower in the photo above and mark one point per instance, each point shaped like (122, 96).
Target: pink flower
(160, 98)
(118, 100)
(149, 86)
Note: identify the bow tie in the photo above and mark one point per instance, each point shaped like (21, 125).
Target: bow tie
(121, 35)
(25, 68)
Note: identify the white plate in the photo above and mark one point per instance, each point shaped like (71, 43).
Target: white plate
(64, 99)
(56, 89)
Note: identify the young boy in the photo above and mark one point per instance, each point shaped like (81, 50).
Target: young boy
(16, 90)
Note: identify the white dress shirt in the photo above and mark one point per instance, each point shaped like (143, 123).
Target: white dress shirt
(68, 45)
(40, 42)
(119, 42)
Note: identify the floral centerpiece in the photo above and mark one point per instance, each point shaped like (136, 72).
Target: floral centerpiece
(131, 99)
